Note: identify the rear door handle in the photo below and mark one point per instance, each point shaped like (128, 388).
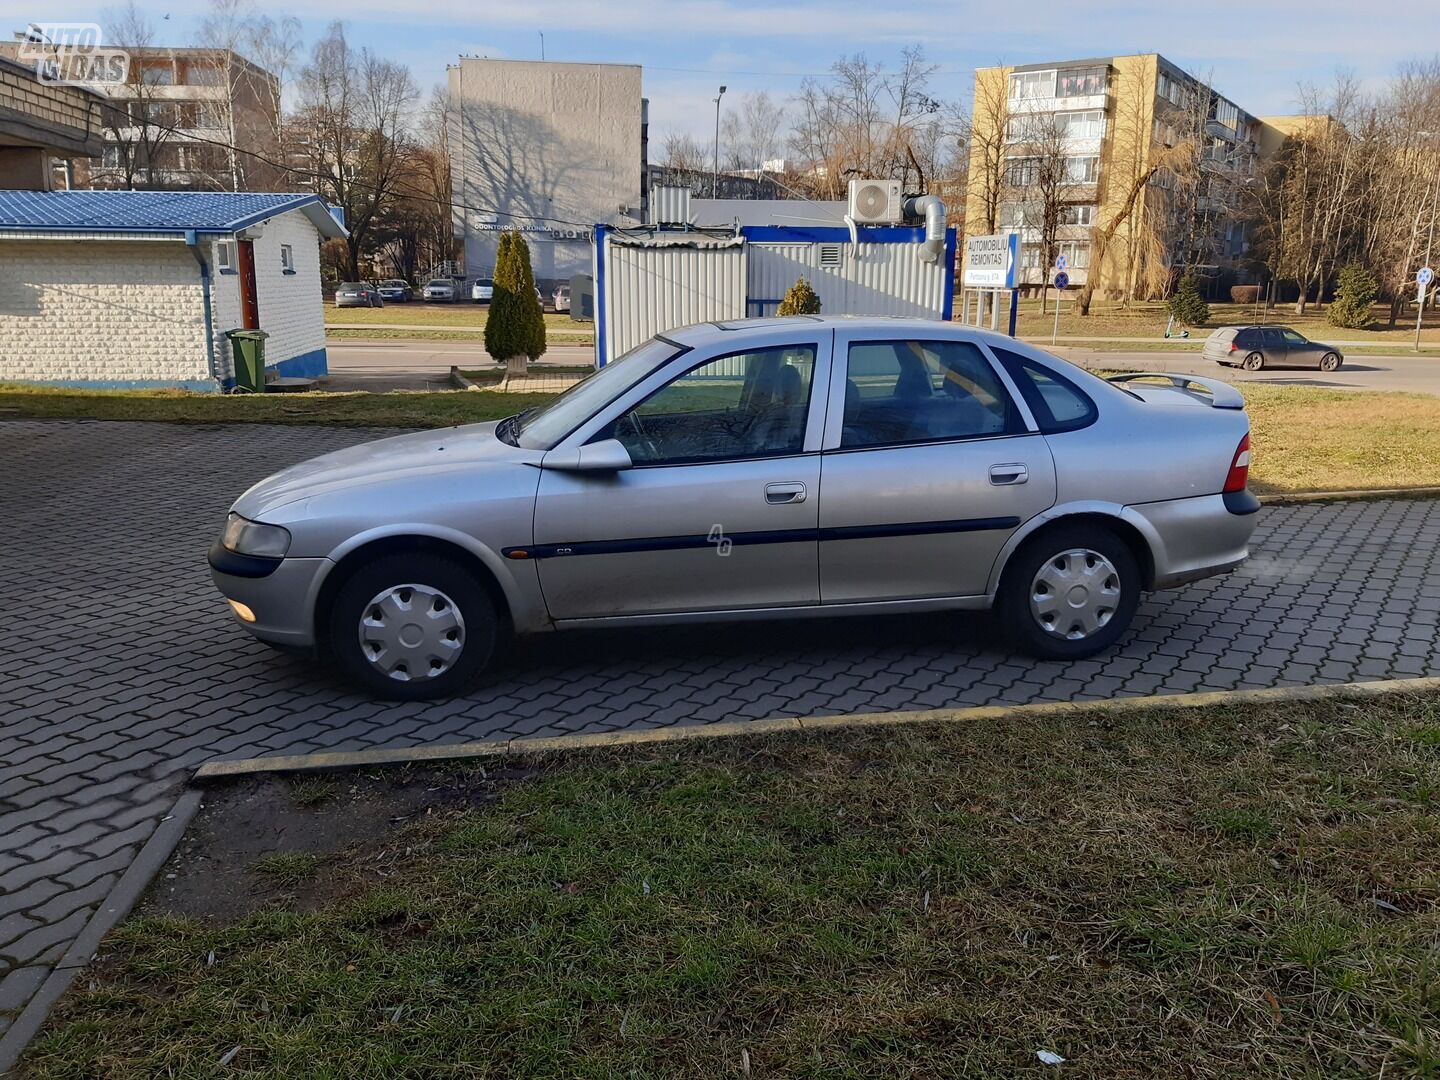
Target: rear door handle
(1014, 473)
(785, 493)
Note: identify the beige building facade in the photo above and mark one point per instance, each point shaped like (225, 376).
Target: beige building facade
(1128, 166)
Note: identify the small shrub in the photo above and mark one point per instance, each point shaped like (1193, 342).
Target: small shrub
(800, 300)
(515, 327)
(1187, 305)
(1354, 297)
(1244, 294)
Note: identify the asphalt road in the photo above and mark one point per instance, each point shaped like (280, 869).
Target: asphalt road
(397, 364)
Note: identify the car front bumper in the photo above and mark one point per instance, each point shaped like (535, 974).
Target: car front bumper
(281, 596)
(1197, 538)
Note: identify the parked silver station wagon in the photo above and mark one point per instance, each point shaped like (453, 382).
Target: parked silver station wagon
(761, 468)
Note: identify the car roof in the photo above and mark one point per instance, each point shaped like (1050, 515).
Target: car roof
(730, 331)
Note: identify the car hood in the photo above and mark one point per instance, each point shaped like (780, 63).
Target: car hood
(419, 457)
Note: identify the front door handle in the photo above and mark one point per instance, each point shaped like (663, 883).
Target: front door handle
(1013, 473)
(778, 494)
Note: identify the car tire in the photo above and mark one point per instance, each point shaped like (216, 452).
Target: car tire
(1254, 362)
(1092, 558)
(1330, 362)
(372, 615)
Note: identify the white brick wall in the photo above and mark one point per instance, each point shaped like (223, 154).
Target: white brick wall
(292, 308)
(101, 311)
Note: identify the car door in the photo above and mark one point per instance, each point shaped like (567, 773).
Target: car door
(1275, 349)
(1300, 349)
(720, 508)
(930, 462)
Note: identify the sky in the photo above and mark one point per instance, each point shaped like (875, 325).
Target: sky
(1257, 54)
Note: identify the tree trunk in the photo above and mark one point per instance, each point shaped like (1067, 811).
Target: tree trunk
(1395, 302)
(517, 367)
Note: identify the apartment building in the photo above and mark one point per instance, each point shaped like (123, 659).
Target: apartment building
(552, 149)
(176, 121)
(1062, 149)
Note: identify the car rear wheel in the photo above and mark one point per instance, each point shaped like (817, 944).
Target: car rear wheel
(1254, 362)
(1330, 362)
(412, 627)
(1069, 593)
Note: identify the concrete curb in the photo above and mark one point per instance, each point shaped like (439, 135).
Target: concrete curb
(1339, 496)
(117, 905)
(214, 771)
(459, 381)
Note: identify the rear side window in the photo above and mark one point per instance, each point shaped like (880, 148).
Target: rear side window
(1058, 404)
(902, 392)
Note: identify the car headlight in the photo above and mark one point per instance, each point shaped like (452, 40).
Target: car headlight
(246, 537)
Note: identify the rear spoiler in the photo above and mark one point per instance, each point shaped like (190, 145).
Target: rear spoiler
(1217, 394)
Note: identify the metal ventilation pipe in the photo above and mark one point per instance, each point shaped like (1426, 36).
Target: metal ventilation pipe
(933, 210)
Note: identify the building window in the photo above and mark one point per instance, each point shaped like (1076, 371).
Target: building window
(1081, 82)
(162, 74)
(1032, 84)
(1082, 170)
(203, 75)
(1085, 124)
(1226, 113)
(287, 259)
(225, 257)
(1022, 172)
(1077, 215)
(110, 156)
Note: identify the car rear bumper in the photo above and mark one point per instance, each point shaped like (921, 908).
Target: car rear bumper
(282, 600)
(1199, 537)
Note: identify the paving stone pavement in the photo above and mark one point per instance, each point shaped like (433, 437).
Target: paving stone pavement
(122, 670)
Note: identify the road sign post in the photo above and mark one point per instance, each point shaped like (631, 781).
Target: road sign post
(1422, 284)
(1062, 279)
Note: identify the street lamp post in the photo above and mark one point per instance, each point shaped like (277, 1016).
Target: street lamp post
(715, 179)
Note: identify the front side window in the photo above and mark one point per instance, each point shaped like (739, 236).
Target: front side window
(744, 406)
(902, 392)
(1058, 404)
(1292, 338)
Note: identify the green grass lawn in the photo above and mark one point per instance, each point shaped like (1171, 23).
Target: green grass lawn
(1242, 891)
(552, 337)
(1305, 438)
(1147, 320)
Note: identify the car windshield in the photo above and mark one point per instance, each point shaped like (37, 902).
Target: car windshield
(439, 281)
(351, 285)
(485, 281)
(542, 428)
(393, 284)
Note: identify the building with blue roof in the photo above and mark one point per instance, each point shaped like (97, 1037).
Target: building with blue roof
(138, 288)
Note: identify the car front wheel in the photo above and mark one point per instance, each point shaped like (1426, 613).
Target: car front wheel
(412, 627)
(1069, 593)
(1330, 362)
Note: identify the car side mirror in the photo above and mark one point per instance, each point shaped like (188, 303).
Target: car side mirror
(608, 455)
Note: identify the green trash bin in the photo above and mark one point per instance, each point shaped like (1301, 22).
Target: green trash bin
(248, 349)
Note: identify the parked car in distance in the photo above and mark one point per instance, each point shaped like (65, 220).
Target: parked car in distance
(439, 291)
(396, 291)
(483, 291)
(357, 294)
(1255, 348)
(561, 298)
(760, 468)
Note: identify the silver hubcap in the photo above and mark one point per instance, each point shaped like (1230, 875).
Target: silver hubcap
(412, 632)
(1074, 594)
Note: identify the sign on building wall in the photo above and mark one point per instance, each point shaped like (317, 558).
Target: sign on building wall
(991, 262)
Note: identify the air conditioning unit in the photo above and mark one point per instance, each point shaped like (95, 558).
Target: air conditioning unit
(876, 202)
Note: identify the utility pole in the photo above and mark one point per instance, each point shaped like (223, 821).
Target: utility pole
(542, 44)
(715, 179)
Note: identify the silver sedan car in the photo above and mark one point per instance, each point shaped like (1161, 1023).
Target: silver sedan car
(761, 468)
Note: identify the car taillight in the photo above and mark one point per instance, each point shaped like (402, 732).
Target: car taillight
(1239, 474)
(1234, 347)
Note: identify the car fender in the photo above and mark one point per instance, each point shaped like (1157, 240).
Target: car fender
(1071, 509)
(522, 597)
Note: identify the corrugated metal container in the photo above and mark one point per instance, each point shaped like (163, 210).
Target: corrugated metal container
(670, 205)
(870, 279)
(648, 290)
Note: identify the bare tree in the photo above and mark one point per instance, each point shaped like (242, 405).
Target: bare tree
(750, 134)
(354, 112)
(138, 121)
(989, 150)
